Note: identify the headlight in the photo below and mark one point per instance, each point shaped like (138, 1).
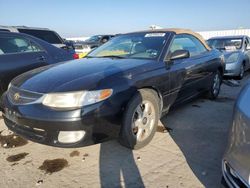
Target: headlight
(75, 99)
(232, 58)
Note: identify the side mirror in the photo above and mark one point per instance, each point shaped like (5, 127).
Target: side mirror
(179, 54)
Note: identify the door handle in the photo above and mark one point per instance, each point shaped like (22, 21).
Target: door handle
(41, 58)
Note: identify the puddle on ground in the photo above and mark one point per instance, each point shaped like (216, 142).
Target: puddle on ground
(74, 153)
(55, 165)
(85, 155)
(14, 164)
(17, 157)
(10, 141)
(162, 129)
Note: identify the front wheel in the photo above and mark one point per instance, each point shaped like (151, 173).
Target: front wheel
(140, 119)
(242, 72)
(215, 87)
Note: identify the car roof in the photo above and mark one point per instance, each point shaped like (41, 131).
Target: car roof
(229, 37)
(177, 31)
(13, 33)
(23, 27)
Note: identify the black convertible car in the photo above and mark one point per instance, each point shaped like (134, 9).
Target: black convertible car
(129, 82)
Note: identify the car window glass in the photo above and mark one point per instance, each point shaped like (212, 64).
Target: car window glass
(35, 47)
(226, 43)
(187, 42)
(49, 36)
(135, 45)
(15, 45)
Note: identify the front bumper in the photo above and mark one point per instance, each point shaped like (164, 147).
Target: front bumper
(236, 161)
(232, 177)
(232, 69)
(43, 125)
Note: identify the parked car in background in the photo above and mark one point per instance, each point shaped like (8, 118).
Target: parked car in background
(20, 53)
(84, 47)
(42, 33)
(236, 161)
(236, 50)
(129, 81)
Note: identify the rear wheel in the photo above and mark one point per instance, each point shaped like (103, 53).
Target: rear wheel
(215, 87)
(140, 119)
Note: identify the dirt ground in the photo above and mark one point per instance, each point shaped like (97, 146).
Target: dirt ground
(188, 155)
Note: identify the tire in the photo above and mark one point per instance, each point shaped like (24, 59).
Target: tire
(215, 87)
(140, 119)
(242, 72)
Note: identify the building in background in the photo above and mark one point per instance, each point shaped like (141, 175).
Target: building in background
(209, 34)
(77, 39)
(205, 34)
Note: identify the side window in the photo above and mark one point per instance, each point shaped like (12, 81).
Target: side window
(16, 45)
(35, 47)
(187, 42)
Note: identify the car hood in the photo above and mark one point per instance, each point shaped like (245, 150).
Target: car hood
(83, 74)
(227, 53)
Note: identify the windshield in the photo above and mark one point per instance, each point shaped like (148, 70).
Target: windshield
(226, 44)
(95, 38)
(136, 45)
(49, 36)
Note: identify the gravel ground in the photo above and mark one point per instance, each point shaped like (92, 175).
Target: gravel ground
(187, 155)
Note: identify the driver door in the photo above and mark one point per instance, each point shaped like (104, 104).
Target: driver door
(187, 75)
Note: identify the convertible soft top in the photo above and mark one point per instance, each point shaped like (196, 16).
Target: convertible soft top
(180, 31)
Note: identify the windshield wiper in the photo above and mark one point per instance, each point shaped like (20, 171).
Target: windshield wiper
(91, 57)
(112, 56)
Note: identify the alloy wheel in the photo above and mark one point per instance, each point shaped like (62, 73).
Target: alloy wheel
(143, 120)
(216, 85)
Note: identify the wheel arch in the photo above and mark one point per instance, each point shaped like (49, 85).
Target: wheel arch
(244, 62)
(157, 91)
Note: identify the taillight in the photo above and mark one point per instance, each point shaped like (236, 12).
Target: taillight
(76, 56)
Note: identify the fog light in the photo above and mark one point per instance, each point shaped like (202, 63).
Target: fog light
(70, 136)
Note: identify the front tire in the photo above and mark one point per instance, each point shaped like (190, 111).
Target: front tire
(242, 72)
(215, 87)
(140, 119)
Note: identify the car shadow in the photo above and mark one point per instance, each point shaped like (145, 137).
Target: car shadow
(117, 164)
(201, 136)
(118, 167)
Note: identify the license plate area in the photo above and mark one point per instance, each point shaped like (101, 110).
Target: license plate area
(10, 115)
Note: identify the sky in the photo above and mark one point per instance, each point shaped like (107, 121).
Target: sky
(75, 18)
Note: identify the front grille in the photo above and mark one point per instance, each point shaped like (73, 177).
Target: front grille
(26, 131)
(20, 97)
(233, 176)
